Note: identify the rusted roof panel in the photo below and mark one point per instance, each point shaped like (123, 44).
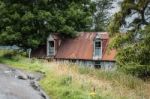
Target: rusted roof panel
(82, 46)
(109, 55)
(103, 35)
(77, 48)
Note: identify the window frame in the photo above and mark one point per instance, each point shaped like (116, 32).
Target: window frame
(48, 47)
(99, 44)
(95, 47)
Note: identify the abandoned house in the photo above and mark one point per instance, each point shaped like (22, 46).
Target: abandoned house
(88, 48)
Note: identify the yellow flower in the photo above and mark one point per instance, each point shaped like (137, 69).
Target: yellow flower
(92, 94)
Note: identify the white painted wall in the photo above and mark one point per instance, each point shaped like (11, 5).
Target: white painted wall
(106, 65)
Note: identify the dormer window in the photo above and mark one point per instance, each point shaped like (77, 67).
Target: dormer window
(51, 48)
(98, 48)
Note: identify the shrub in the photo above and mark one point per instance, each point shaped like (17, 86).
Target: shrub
(141, 71)
(12, 54)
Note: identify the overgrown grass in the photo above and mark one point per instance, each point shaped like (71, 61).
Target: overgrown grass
(69, 81)
(115, 76)
(60, 84)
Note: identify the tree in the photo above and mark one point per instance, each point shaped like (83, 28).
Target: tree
(133, 45)
(27, 23)
(102, 14)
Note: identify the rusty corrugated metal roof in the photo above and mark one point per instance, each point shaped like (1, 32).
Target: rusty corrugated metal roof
(82, 46)
(109, 55)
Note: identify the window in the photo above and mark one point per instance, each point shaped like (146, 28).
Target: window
(97, 64)
(97, 44)
(98, 48)
(51, 48)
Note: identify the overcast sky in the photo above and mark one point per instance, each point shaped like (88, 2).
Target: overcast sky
(116, 7)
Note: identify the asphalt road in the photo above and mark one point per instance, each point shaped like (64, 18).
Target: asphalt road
(16, 84)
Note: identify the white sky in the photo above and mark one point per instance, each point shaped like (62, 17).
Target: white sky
(116, 7)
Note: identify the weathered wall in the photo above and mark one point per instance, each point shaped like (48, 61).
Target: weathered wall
(107, 65)
(40, 52)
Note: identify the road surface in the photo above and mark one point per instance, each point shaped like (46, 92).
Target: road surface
(16, 84)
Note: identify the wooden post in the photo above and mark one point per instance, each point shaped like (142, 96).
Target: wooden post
(29, 52)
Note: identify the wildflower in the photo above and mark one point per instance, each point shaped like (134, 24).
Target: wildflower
(92, 94)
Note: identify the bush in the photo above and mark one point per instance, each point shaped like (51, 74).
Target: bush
(12, 54)
(141, 71)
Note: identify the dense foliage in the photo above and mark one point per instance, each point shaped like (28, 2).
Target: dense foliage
(133, 45)
(102, 14)
(27, 23)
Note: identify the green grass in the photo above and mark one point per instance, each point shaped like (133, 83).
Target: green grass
(66, 87)
(115, 76)
(69, 81)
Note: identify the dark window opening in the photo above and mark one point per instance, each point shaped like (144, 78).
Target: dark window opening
(51, 43)
(51, 48)
(97, 44)
(97, 64)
